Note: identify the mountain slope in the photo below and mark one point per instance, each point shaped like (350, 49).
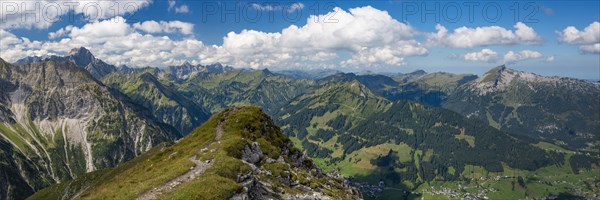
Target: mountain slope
(430, 89)
(238, 154)
(57, 122)
(561, 110)
(166, 103)
(345, 126)
(311, 74)
(216, 91)
(443, 81)
(408, 77)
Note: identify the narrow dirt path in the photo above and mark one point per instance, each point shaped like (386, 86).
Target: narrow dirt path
(219, 128)
(190, 175)
(187, 177)
(219, 132)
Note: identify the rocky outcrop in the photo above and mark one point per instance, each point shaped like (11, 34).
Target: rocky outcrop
(265, 180)
(252, 153)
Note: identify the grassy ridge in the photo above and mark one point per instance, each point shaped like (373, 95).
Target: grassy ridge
(241, 126)
(132, 178)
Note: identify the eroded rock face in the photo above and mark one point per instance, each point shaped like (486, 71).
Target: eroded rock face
(59, 122)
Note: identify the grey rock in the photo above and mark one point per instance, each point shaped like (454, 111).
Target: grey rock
(252, 153)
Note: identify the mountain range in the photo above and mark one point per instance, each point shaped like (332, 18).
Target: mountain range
(58, 122)
(393, 136)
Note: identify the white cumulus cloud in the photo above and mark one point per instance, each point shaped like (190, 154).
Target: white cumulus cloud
(264, 7)
(366, 33)
(290, 7)
(61, 32)
(295, 6)
(361, 37)
(112, 40)
(182, 9)
(178, 9)
(165, 27)
(512, 57)
(464, 37)
(587, 39)
(590, 48)
(485, 55)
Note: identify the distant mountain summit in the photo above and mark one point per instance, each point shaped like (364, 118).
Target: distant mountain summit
(81, 57)
(555, 108)
(187, 70)
(408, 77)
(30, 59)
(500, 78)
(99, 69)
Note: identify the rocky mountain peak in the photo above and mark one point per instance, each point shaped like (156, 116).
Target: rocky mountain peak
(499, 68)
(187, 64)
(81, 56)
(30, 59)
(267, 72)
(498, 79)
(409, 77)
(419, 72)
(184, 70)
(218, 68)
(495, 73)
(79, 51)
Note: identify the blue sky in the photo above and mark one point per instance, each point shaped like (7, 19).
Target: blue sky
(387, 36)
